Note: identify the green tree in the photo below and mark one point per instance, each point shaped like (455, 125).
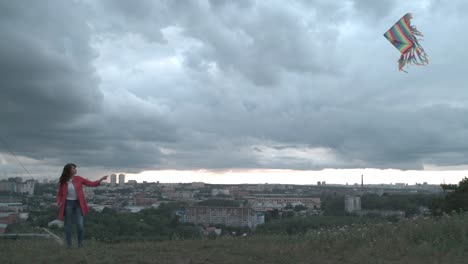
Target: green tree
(333, 205)
(299, 207)
(458, 199)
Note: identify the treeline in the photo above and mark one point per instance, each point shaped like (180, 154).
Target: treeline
(109, 225)
(43, 188)
(150, 223)
(334, 205)
(455, 199)
(408, 203)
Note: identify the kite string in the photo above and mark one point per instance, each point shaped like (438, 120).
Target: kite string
(14, 155)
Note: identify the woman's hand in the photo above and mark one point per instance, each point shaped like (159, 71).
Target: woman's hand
(103, 178)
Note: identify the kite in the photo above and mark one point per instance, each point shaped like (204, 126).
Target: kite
(403, 36)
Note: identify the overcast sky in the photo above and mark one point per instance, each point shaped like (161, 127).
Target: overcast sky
(132, 86)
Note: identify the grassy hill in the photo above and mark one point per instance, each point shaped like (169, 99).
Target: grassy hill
(443, 240)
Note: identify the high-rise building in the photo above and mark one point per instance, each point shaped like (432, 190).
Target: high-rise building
(352, 203)
(15, 185)
(8, 186)
(113, 180)
(266, 203)
(26, 187)
(16, 179)
(229, 216)
(121, 179)
(132, 182)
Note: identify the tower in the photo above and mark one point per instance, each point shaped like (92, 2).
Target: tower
(113, 180)
(121, 179)
(362, 182)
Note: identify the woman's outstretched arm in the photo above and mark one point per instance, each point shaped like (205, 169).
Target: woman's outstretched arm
(93, 183)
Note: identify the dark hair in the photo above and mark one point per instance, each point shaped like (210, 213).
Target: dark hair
(66, 175)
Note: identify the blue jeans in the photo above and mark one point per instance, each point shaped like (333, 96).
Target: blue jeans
(73, 215)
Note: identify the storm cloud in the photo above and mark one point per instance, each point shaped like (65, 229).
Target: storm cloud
(230, 84)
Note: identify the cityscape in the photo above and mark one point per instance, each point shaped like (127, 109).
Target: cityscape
(254, 200)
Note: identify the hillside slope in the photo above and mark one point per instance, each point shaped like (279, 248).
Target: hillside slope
(421, 241)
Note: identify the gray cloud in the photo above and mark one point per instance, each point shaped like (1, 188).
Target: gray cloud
(374, 9)
(47, 77)
(231, 84)
(51, 104)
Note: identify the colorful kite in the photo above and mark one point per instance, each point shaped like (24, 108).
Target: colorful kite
(403, 36)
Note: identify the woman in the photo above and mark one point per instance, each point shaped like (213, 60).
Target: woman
(71, 201)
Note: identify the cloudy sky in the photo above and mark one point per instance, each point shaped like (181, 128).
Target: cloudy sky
(134, 86)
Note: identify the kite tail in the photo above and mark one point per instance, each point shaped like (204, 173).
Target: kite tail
(416, 32)
(403, 61)
(415, 55)
(422, 58)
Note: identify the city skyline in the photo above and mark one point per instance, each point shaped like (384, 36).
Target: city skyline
(330, 176)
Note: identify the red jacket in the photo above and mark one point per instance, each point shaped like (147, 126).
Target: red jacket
(77, 182)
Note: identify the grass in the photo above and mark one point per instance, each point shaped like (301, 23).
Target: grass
(443, 240)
